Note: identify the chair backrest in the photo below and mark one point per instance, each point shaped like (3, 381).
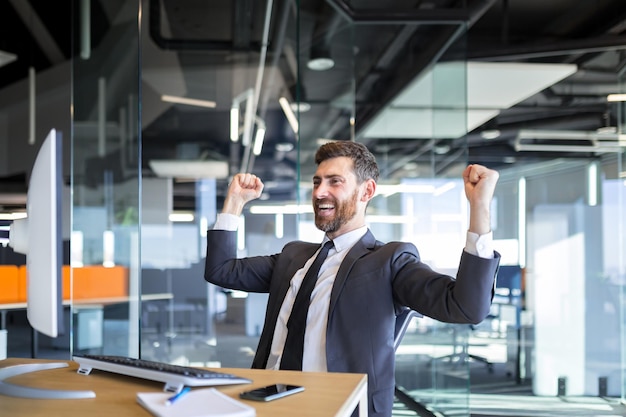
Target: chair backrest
(402, 323)
(509, 284)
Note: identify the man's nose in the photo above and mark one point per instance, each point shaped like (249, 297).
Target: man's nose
(320, 191)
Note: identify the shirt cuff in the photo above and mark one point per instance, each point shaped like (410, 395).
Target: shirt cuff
(226, 221)
(480, 245)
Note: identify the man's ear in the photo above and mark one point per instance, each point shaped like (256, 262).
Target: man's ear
(369, 189)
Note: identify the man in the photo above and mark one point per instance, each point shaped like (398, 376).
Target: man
(362, 283)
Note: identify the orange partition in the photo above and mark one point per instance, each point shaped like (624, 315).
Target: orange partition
(22, 290)
(9, 284)
(66, 282)
(99, 282)
(90, 282)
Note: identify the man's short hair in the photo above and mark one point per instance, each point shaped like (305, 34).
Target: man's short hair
(364, 162)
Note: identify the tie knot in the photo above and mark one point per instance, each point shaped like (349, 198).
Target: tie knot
(325, 248)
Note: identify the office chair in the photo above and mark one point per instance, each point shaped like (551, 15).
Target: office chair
(464, 355)
(402, 323)
(507, 292)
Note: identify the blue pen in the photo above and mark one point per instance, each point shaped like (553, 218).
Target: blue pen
(176, 397)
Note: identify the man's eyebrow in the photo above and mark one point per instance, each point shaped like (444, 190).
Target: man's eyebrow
(318, 177)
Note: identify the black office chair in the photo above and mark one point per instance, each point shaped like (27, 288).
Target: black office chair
(402, 323)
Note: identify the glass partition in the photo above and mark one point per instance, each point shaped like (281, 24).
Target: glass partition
(618, 267)
(213, 104)
(566, 212)
(420, 196)
(106, 183)
(186, 82)
(437, 213)
(562, 219)
(263, 89)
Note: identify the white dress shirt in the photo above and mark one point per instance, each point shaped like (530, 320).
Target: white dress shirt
(314, 355)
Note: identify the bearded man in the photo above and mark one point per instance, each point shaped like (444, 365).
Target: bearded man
(348, 313)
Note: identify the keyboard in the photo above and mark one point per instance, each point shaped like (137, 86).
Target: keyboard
(175, 377)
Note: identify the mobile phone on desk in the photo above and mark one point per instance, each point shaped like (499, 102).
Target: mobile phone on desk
(271, 392)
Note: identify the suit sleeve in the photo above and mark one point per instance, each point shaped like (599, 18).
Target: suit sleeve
(222, 267)
(464, 299)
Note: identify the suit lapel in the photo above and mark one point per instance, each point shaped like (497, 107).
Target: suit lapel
(297, 261)
(297, 256)
(360, 249)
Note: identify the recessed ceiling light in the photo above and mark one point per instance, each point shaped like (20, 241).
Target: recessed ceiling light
(181, 217)
(320, 64)
(182, 168)
(301, 107)
(284, 147)
(616, 97)
(188, 101)
(322, 141)
(320, 59)
(490, 134)
(291, 117)
(605, 130)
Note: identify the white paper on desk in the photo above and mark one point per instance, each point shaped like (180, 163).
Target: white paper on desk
(203, 402)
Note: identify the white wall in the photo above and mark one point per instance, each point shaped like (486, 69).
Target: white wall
(576, 308)
(558, 280)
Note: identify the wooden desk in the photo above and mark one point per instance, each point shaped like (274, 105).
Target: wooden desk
(325, 394)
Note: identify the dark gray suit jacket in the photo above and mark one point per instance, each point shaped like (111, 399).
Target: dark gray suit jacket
(373, 282)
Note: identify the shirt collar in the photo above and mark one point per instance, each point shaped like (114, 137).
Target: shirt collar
(347, 240)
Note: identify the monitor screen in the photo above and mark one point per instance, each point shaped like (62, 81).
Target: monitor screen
(39, 237)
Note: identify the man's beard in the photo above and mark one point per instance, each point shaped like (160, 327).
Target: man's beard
(344, 212)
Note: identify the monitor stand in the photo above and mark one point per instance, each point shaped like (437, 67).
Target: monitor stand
(12, 390)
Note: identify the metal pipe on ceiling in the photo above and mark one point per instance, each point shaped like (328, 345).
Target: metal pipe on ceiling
(545, 50)
(245, 164)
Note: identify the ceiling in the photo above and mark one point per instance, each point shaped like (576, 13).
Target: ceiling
(384, 53)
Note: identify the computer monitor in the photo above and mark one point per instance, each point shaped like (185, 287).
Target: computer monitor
(39, 236)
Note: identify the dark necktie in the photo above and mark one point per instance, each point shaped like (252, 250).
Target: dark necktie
(296, 324)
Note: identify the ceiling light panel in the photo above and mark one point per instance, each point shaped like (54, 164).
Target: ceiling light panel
(418, 112)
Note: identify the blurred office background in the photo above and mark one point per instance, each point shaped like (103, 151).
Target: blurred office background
(161, 101)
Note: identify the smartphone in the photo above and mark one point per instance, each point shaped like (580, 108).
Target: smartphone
(271, 392)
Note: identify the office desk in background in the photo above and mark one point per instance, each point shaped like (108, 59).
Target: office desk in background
(92, 303)
(325, 394)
